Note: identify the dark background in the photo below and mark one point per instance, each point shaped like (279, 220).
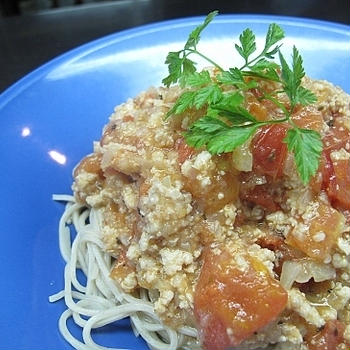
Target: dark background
(35, 31)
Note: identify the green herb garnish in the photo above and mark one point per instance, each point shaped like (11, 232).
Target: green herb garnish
(227, 124)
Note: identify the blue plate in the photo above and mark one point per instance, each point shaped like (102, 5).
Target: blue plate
(48, 121)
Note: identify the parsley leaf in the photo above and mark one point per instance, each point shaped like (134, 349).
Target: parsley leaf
(248, 47)
(274, 34)
(210, 94)
(235, 77)
(179, 65)
(297, 66)
(291, 79)
(227, 140)
(230, 100)
(198, 79)
(287, 79)
(202, 130)
(304, 96)
(217, 135)
(247, 40)
(230, 108)
(265, 69)
(224, 96)
(188, 67)
(194, 37)
(174, 63)
(307, 147)
(209, 125)
(263, 63)
(184, 102)
(179, 68)
(237, 115)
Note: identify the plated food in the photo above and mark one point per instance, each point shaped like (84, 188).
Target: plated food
(215, 212)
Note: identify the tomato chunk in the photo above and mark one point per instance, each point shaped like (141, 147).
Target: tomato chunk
(235, 296)
(258, 110)
(308, 118)
(283, 251)
(90, 164)
(334, 175)
(339, 184)
(323, 232)
(261, 196)
(322, 178)
(336, 138)
(184, 151)
(122, 268)
(269, 151)
(329, 338)
(222, 188)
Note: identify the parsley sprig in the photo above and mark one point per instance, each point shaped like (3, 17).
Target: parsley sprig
(226, 123)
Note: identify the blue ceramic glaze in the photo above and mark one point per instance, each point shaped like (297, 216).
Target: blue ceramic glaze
(48, 121)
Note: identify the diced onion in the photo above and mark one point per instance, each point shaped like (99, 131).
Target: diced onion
(242, 157)
(302, 271)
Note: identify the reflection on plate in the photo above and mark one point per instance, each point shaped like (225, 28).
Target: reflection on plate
(48, 121)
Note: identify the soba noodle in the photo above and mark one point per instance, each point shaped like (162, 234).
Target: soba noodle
(100, 301)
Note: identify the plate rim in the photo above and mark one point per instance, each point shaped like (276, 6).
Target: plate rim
(94, 45)
(30, 79)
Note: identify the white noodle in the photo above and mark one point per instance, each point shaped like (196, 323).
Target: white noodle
(100, 301)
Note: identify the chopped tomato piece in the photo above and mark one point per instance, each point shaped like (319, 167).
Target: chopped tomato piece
(122, 266)
(128, 118)
(184, 151)
(258, 110)
(329, 337)
(334, 175)
(278, 245)
(337, 137)
(90, 164)
(308, 118)
(269, 151)
(234, 298)
(273, 242)
(323, 177)
(223, 187)
(260, 195)
(339, 184)
(114, 217)
(322, 233)
(316, 182)
(222, 190)
(206, 236)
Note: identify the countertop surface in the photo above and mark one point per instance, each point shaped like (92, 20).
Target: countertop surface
(27, 41)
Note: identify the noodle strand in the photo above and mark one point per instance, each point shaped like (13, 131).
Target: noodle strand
(100, 301)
